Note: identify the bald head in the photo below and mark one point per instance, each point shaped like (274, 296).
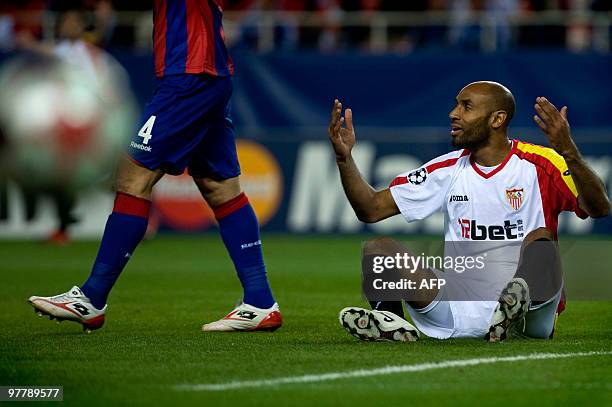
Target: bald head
(483, 109)
(499, 97)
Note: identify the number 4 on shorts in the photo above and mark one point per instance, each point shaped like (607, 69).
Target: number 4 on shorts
(147, 128)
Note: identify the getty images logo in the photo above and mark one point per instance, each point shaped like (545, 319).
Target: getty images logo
(473, 231)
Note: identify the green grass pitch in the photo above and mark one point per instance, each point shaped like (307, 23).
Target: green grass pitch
(152, 340)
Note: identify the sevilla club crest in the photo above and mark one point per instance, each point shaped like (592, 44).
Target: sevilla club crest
(515, 197)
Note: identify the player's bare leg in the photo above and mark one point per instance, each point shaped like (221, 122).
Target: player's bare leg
(386, 246)
(124, 230)
(540, 266)
(240, 233)
(538, 280)
(134, 179)
(217, 192)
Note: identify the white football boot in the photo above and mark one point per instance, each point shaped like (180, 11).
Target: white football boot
(72, 305)
(511, 309)
(373, 325)
(246, 317)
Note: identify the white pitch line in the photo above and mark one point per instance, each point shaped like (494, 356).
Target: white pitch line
(387, 370)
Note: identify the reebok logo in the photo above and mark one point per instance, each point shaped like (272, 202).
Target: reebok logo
(251, 244)
(140, 146)
(458, 198)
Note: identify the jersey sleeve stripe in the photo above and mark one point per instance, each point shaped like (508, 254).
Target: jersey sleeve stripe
(553, 158)
(446, 163)
(398, 181)
(550, 201)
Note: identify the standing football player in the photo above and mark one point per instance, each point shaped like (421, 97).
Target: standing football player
(186, 125)
(506, 191)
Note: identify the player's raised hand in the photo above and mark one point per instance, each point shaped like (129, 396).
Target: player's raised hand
(555, 126)
(342, 138)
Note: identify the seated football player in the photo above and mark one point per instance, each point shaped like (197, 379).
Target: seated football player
(511, 193)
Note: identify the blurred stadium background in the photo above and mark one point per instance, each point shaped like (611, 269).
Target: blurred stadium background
(398, 64)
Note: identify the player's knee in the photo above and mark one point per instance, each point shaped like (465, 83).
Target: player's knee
(538, 234)
(134, 186)
(217, 192)
(381, 245)
(135, 180)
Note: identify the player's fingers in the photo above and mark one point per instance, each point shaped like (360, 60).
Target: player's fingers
(548, 107)
(338, 126)
(336, 109)
(542, 113)
(564, 112)
(539, 122)
(551, 104)
(334, 123)
(331, 129)
(349, 119)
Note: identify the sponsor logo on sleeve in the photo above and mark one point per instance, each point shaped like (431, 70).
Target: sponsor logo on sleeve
(418, 176)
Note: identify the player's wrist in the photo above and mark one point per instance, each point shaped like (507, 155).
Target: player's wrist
(566, 148)
(571, 154)
(344, 159)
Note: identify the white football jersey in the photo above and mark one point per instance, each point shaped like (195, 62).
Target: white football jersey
(526, 191)
(491, 212)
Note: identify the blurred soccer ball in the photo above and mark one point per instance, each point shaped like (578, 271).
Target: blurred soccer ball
(61, 124)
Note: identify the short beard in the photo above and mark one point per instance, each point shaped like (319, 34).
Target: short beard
(474, 138)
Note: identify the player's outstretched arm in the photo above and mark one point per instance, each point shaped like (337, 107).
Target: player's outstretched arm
(370, 205)
(592, 196)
